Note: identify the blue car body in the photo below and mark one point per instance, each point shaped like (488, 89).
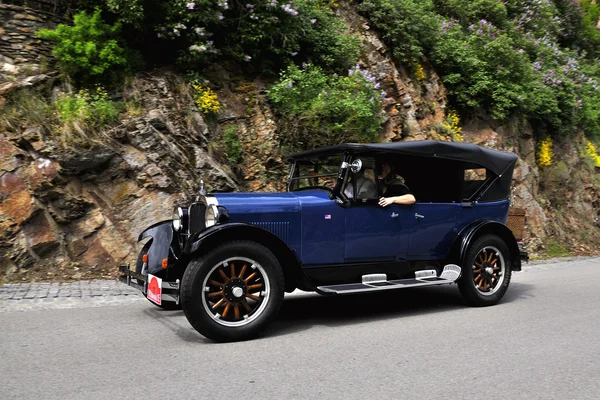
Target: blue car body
(228, 257)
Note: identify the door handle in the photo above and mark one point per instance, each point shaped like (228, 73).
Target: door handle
(394, 215)
(419, 216)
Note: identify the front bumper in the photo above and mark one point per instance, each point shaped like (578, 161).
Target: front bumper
(170, 290)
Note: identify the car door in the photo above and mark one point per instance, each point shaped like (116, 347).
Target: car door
(433, 230)
(375, 233)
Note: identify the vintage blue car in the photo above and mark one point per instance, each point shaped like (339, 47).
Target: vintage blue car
(355, 218)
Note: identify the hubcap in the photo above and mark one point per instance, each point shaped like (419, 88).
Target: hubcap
(236, 291)
(488, 270)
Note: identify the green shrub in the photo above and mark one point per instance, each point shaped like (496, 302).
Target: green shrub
(409, 27)
(88, 49)
(87, 111)
(318, 109)
(233, 149)
(263, 31)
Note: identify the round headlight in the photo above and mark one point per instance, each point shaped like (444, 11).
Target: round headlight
(212, 216)
(177, 219)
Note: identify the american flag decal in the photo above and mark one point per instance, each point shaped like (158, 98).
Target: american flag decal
(327, 216)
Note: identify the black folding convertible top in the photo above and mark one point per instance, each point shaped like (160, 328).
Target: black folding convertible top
(494, 160)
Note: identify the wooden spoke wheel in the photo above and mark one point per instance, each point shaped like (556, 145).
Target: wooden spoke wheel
(236, 291)
(232, 292)
(488, 270)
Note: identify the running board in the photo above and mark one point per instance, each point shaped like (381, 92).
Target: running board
(377, 282)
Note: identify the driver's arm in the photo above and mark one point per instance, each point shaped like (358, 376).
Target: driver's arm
(404, 199)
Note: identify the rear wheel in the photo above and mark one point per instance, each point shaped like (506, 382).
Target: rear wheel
(233, 292)
(486, 271)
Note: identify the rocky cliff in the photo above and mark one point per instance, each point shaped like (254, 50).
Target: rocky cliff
(75, 211)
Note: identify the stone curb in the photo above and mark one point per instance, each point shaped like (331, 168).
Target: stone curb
(97, 293)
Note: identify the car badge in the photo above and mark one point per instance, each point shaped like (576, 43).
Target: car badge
(327, 216)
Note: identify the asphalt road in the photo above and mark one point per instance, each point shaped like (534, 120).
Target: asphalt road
(541, 342)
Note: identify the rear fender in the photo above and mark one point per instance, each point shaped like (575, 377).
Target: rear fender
(161, 244)
(203, 242)
(477, 229)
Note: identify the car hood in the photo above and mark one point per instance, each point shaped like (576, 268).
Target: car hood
(251, 203)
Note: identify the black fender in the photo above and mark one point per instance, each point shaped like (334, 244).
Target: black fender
(202, 242)
(161, 245)
(471, 232)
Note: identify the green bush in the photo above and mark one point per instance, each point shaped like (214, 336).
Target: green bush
(91, 111)
(318, 109)
(88, 49)
(263, 31)
(502, 57)
(233, 149)
(409, 27)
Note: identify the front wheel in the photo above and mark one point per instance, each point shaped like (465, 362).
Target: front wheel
(233, 292)
(486, 271)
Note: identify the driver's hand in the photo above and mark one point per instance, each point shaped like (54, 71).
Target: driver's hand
(383, 202)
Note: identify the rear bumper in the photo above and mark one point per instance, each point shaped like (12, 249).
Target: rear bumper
(170, 290)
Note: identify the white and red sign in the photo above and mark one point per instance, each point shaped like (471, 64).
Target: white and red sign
(154, 292)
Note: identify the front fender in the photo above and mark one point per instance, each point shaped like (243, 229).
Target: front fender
(203, 242)
(470, 233)
(160, 244)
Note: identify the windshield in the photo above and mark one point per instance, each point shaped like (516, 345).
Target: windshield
(318, 172)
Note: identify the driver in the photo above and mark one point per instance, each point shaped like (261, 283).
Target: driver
(394, 190)
(365, 187)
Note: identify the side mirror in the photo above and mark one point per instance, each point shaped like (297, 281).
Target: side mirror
(356, 165)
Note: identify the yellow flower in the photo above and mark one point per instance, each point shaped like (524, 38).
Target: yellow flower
(206, 99)
(591, 151)
(545, 153)
(419, 72)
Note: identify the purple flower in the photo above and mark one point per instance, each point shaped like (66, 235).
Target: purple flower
(190, 6)
(158, 35)
(312, 21)
(471, 27)
(289, 85)
(221, 17)
(377, 85)
(248, 58)
(249, 5)
(294, 54)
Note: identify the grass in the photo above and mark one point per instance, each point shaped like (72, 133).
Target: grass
(553, 250)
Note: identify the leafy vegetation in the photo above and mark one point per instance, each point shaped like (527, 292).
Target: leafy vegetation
(318, 109)
(259, 32)
(233, 148)
(92, 110)
(88, 49)
(535, 57)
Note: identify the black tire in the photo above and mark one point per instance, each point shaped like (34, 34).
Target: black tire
(169, 305)
(200, 291)
(477, 283)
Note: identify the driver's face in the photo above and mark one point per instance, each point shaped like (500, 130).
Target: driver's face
(385, 170)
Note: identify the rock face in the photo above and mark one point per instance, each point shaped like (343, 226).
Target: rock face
(77, 212)
(414, 103)
(21, 52)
